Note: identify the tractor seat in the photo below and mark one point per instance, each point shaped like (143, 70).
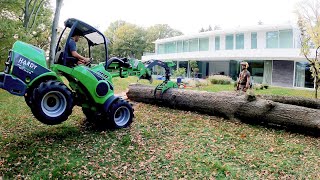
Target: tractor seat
(71, 61)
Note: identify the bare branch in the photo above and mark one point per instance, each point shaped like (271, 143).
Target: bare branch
(32, 12)
(317, 52)
(36, 15)
(29, 3)
(305, 13)
(303, 45)
(26, 13)
(307, 58)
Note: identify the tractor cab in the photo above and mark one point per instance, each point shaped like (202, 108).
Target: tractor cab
(93, 42)
(90, 39)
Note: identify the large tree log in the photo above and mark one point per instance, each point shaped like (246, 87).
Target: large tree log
(299, 101)
(230, 105)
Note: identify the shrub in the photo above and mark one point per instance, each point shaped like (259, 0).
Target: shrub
(179, 72)
(220, 79)
(260, 86)
(197, 82)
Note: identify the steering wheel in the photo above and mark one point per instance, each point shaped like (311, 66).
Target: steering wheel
(89, 63)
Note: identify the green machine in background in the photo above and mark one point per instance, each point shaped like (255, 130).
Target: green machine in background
(52, 93)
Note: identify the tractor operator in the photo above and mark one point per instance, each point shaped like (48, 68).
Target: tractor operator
(244, 78)
(73, 48)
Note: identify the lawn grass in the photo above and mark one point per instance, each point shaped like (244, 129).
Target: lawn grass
(308, 93)
(162, 143)
(122, 85)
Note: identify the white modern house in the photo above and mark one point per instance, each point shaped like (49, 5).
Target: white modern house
(272, 51)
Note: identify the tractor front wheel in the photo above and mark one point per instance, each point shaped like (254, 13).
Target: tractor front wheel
(53, 102)
(120, 114)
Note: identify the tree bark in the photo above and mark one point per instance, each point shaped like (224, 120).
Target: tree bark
(26, 13)
(54, 33)
(230, 105)
(298, 101)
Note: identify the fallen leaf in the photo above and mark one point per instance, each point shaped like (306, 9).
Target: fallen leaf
(271, 149)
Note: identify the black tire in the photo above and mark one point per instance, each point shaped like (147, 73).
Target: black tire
(92, 116)
(120, 115)
(88, 113)
(94, 120)
(52, 102)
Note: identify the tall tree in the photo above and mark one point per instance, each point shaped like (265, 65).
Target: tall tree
(308, 12)
(133, 42)
(54, 31)
(205, 30)
(110, 34)
(209, 28)
(30, 12)
(113, 27)
(129, 41)
(159, 31)
(13, 21)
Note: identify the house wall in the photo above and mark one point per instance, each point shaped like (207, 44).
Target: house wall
(279, 63)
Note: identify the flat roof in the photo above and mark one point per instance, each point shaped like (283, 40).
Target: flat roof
(234, 30)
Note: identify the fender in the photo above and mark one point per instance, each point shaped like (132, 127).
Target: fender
(109, 101)
(45, 76)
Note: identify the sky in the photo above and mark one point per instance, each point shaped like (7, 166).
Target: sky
(188, 16)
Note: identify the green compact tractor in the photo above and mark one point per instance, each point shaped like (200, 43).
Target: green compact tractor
(52, 93)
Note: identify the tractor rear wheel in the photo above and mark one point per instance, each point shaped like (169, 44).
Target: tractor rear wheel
(53, 102)
(120, 114)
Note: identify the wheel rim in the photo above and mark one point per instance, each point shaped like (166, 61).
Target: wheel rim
(122, 116)
(53, 103)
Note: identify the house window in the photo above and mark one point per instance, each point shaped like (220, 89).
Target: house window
(170, 47)
(161, 49)
(186, 46)
(229, 42)
(256, 68)
(303, 75)
(272, 39)
(254, 40)
(285, 39)
(179, 46)
(204, 44)
(239, 41)
(217, 42)
(193, 45)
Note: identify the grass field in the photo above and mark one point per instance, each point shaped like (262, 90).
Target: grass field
(161, 144)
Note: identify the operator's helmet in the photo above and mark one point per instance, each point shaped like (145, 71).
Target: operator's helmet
(245, 63)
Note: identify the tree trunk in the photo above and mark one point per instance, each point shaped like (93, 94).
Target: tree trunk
(54, 32)
(316, 88)
(298, 101)
(26, 13)
(230, 105)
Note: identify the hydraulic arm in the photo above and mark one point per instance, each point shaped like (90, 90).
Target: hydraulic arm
(131, 67)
